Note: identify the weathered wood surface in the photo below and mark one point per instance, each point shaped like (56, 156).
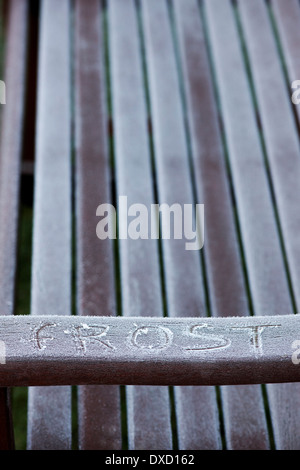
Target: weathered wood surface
(147, 407)
(99, 413)
(201, 112)
(252, 183)
(49, 425)
(278, 125)
(12, 122)
(183, 275)
(287, 24)
(224, 272)
(118, 350)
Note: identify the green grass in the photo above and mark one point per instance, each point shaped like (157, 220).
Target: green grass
(19, 407)
(22, 307)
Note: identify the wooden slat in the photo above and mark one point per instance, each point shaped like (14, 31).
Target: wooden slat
(198, 427)
(98, 407)
(279, 128)
(283, 152)
(147, 407)
(287, 16)
(148, 350)
(264, 261)
(255, 209)
(10, 156)
(11, 146)
(2, 43)
(49, 410)
(243, 411)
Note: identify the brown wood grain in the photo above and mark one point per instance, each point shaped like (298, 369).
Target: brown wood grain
(98, 407)
(264, 258)
(49, 425)
(12, 122)
(183, 276)
(240, 405)
(141, 291)
(281, 140)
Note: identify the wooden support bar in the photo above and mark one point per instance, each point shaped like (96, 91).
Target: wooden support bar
(61, 350)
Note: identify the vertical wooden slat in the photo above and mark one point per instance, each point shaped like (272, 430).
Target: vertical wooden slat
(10, 158)
(49, 409)
(253, 197)
(11, 148)
(196, 408)
(279, 128)
(287, 17)
(243, 411)
(264, 260)
(148, 408)
(98, 407)
(283, 153)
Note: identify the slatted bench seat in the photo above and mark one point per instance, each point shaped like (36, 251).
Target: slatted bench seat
(175, 102)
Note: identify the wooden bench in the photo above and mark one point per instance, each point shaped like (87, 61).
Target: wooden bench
(162, 101)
